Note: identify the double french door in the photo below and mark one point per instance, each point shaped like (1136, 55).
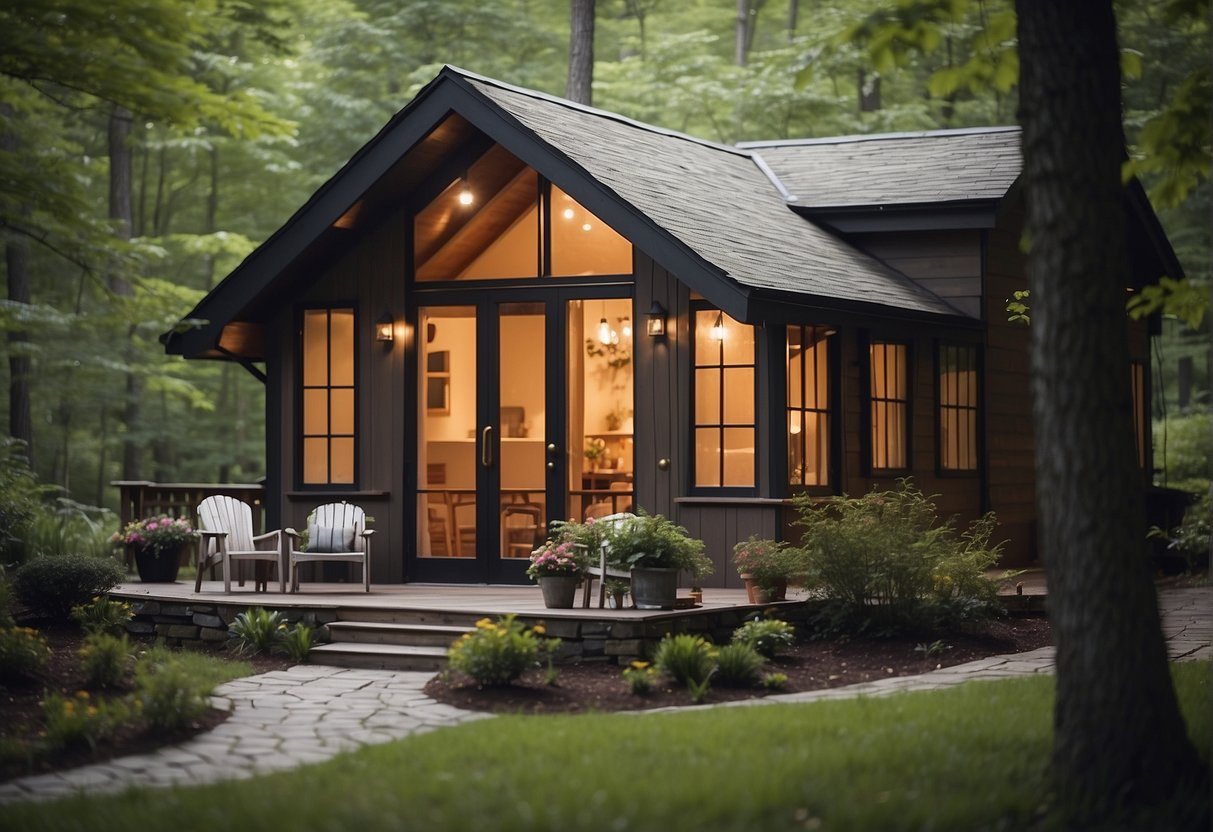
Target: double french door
(524, 415)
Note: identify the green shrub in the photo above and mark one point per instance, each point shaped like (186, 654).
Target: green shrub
(51, 585)
(170, 694)
(500, 651)
(20, 497)
(105, 659)
(72, 720)
(68, 526)
(258, 630)
(688, 659)
(23, 652)
(102, 615)
(7, 597)
(885, 563)
(738, 665)
(774, 681)
(1188, 448)
(768, 636)
(296, 642)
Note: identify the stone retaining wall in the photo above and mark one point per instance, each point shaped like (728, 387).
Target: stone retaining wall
(182, 624)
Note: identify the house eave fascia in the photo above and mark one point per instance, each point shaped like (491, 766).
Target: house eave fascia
(791, 308)
(934, 216)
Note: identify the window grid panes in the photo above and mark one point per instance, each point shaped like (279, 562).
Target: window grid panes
(890, 405)
(808, 408)
(724, 401)
(328, 397)
(957, 408)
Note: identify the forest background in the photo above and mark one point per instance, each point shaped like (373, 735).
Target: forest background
(147, 146)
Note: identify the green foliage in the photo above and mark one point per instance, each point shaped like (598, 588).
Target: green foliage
(6, 599)
(886, 563)
(500, 651)
(1192, 540)
(768, 636)
(67, 526)
(175, 687)
(77, 719)
(103, 615)
(738, 665)
(51, 585)
(23, 652)
(19, 498)
(774, 681)
(640, 677)
(105, 659)
(768, 562)
(258, 630)
(654, 541)
(297, 642)
(688, 659)
(1187, 448)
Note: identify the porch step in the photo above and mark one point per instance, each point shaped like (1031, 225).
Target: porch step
(380, 656)
(409, 635)
(415, 617)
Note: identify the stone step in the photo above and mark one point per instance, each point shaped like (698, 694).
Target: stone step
(379, 656)
(440, 618)
(414, 635)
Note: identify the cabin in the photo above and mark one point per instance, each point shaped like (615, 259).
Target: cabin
(508, 308)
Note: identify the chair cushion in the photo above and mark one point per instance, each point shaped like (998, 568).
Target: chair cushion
(330, 539)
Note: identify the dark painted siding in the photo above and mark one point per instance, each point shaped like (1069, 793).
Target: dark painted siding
(947, 263)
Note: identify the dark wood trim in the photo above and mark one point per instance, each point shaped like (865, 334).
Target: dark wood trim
(937, 413)
(934, 216)
(730, 500)
(865, 340)
(337, 494)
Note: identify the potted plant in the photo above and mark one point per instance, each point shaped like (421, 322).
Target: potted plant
(655, 549)
(158, 544)
(617, 590)
(765, 566)
(558, 566)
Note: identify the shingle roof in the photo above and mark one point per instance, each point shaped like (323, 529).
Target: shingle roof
(896, 169)
(715, 199)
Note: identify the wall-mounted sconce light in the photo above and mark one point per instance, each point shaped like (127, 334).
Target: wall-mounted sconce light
(656, 320)
(385, 328)
(465, 191)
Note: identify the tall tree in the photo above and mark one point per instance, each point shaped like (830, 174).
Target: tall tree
(581, 52)
(1119, 739)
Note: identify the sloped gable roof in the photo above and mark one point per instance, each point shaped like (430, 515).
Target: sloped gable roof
(932, 167)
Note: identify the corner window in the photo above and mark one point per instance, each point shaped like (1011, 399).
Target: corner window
(808, 410)
(889, 405)
(724, 401)
(957, 384)
(327, 395)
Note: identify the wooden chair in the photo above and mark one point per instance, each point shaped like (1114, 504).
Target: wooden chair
(521, 524)
(336, 532)
(602, 572)
(225, 537)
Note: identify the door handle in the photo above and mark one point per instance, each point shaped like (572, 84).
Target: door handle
(486, 446)
(552, 449)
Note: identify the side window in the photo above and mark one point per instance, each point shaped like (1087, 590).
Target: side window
(327, 442)
(808, 354)
(724, 428)
(889, 405)
(957, 386)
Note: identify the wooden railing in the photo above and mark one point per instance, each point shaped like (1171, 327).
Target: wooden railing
(140, 498)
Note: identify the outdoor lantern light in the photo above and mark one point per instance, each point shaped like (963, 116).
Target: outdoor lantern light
(656, 320)
(384, 328)
(717, 331)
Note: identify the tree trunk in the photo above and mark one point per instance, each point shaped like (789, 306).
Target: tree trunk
(120, 209)
(741, 44)
(16, 256)
(793, 18)
(869, 91)
(1119, 739)
(581, 52)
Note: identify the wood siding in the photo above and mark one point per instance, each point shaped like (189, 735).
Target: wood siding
(946, 263)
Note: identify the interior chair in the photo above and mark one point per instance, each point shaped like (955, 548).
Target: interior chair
(336, 532)
(225, 538)
(463, 516)
(601, 572)
(521, 525)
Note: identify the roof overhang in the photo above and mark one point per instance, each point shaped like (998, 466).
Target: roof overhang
(934, 216)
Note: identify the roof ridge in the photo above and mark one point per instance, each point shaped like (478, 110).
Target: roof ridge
(868, 137)
(736, 150)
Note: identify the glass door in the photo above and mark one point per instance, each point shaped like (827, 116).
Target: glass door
(482, 446)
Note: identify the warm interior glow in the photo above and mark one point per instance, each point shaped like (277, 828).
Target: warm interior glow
(794, 424)
(627, 327)
(569, 213)
(604, 332)
(717, 331)
(465, 196)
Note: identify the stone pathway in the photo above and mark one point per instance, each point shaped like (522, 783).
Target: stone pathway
(311, 713)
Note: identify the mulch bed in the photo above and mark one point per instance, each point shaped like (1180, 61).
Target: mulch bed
(814, 665)
(20, 704)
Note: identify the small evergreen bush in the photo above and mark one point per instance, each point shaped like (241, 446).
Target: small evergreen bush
(170, 695)
(688, 659)
(767, 636)
(296, 642)
(738, 665)
(51, 585)
(258, 630)
(104, 659)
(23, 652)
(500, 651)
(886, 563)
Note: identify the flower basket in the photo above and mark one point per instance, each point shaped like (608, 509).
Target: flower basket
(158, 544)
(157, 566)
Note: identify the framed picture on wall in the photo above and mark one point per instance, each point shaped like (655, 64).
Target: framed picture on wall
(438, 383)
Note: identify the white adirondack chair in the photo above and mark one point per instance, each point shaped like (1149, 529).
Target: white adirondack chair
(225, 528)
(601, 572)
(340, 527)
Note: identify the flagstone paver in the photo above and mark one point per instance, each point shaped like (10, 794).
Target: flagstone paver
(310, 713)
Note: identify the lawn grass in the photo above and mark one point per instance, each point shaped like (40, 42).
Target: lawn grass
(970, 757)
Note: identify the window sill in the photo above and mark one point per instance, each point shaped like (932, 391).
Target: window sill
(334, 493)
(730, 501)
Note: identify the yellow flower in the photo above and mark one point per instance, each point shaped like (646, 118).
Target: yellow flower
(538, 630)
(640, 665)
(82, 694)
(484, 624)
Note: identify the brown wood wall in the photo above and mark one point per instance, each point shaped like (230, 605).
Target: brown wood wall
(947, 263)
